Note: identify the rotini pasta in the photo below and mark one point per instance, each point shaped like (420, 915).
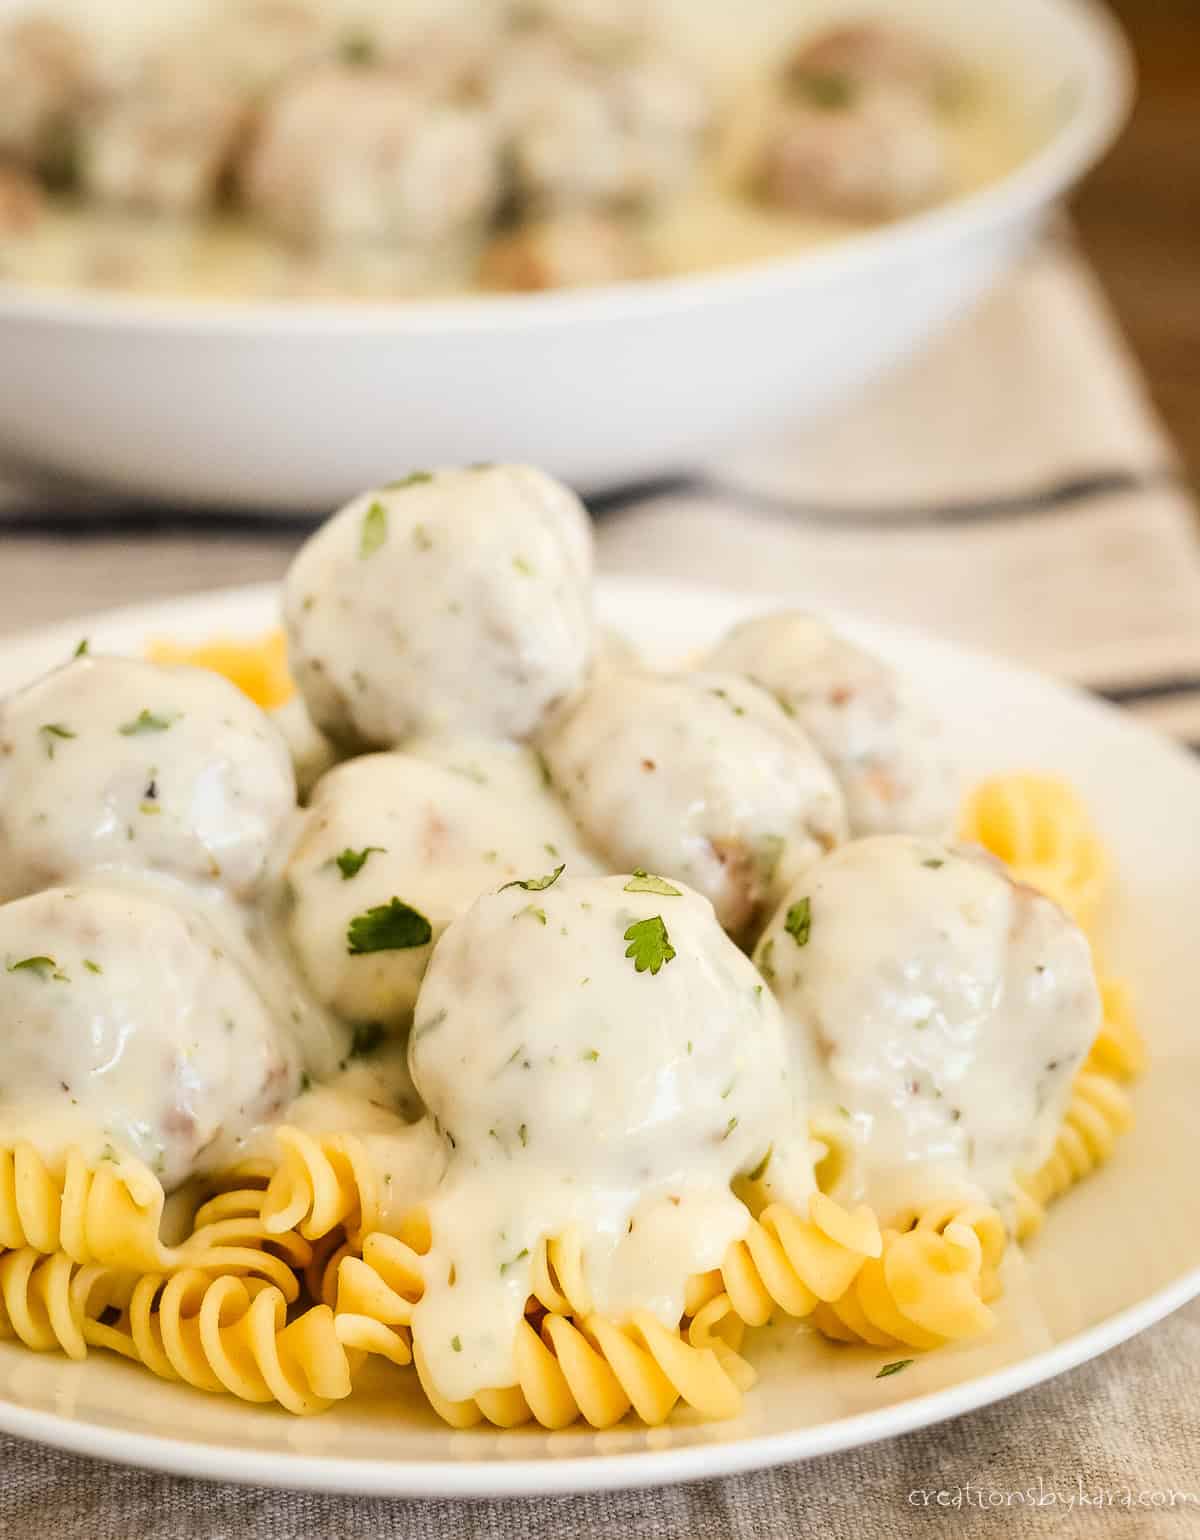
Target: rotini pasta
(1098, 1113)
(930, 1284)
(50, 1303)
(1119, 1049)
(111, 1213)
(321, 1184)
(259, 669)
(1037, 825)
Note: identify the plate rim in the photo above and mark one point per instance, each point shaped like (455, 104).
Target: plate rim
(484, 1478)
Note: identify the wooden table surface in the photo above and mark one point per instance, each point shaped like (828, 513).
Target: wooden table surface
(1139, 213)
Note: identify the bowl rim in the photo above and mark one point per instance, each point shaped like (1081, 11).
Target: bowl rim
(1107, 81)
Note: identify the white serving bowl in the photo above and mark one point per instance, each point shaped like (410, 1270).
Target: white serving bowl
(292, 406)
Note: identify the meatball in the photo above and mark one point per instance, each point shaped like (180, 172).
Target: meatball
(597, 1054)
(870, 53)
(45, 79)
(128, 1028)
(164, 142)
(428, 830)
(941, 1006)
(455, 600)
(883, 746)
(585, 133)
(701, 777)
(569, 251)
(352, 157)
(114, 764)
(830, 148)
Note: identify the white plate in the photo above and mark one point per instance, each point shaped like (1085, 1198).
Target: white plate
(293, 407)
(1117, 1254)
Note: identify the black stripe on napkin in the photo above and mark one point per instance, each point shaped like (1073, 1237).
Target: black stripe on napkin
(1067, 493)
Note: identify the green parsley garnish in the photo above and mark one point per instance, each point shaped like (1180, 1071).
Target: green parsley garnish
(832, 93)
(729, 1128)
(766, 960)
(146, 721)
(760, 1170)
(536, 884)
(799, 921)
(81, 648)
(351, 862)
(92, 967)
(44, 967)
(643, 881)
(649, 945)
(357, 50)
(50, 731)
(305, 1083)
(456, 1344)
(523, 1136)
(591, 1056)
(893, 1368)
(522, 566)
(933, 864)
(538, 914)
(391, 927)
(374, 529)
(368, 1037)
(413, 479)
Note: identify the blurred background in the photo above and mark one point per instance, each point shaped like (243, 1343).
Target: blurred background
(1139, 213)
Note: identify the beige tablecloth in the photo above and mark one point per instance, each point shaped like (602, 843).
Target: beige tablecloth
(1011, 489)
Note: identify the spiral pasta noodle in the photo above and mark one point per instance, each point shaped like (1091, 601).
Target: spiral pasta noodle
(1119, 1049)
(232, 1335)
(1037, 825)
(1097, 1114)
(110, 1213)
(51, 1303)
(930, 1284)
(321, 1184)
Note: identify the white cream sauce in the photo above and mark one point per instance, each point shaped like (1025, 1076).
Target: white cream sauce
(885, 747)
(450, 601)
(433, 827)
(699, 776)
(574, 1090)
(937, 1008)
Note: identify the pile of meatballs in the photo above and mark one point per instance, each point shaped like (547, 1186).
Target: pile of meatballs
(187, 949)
(519, 143)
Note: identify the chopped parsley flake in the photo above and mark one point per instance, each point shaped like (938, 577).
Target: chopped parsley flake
(456, 1344)
(729, 1128)
(351, 862)
(357, 49)
(368, 1039)
(760, 1170)
(81, 648)
(520, 1257)
(893, 1368)
(522, 566)
(146, 721)
(391, 927)
(374, 529)
(538, 914)
(50, 731)
(44, 967)
(536, 884)
(643, 881)
(92, 967)
(591, 1056)
(649, 945)
(829, 92)
(933, 864)
(766, 960)
(523, 1136)
(413, 479)
(738, 711)
(799, 921)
